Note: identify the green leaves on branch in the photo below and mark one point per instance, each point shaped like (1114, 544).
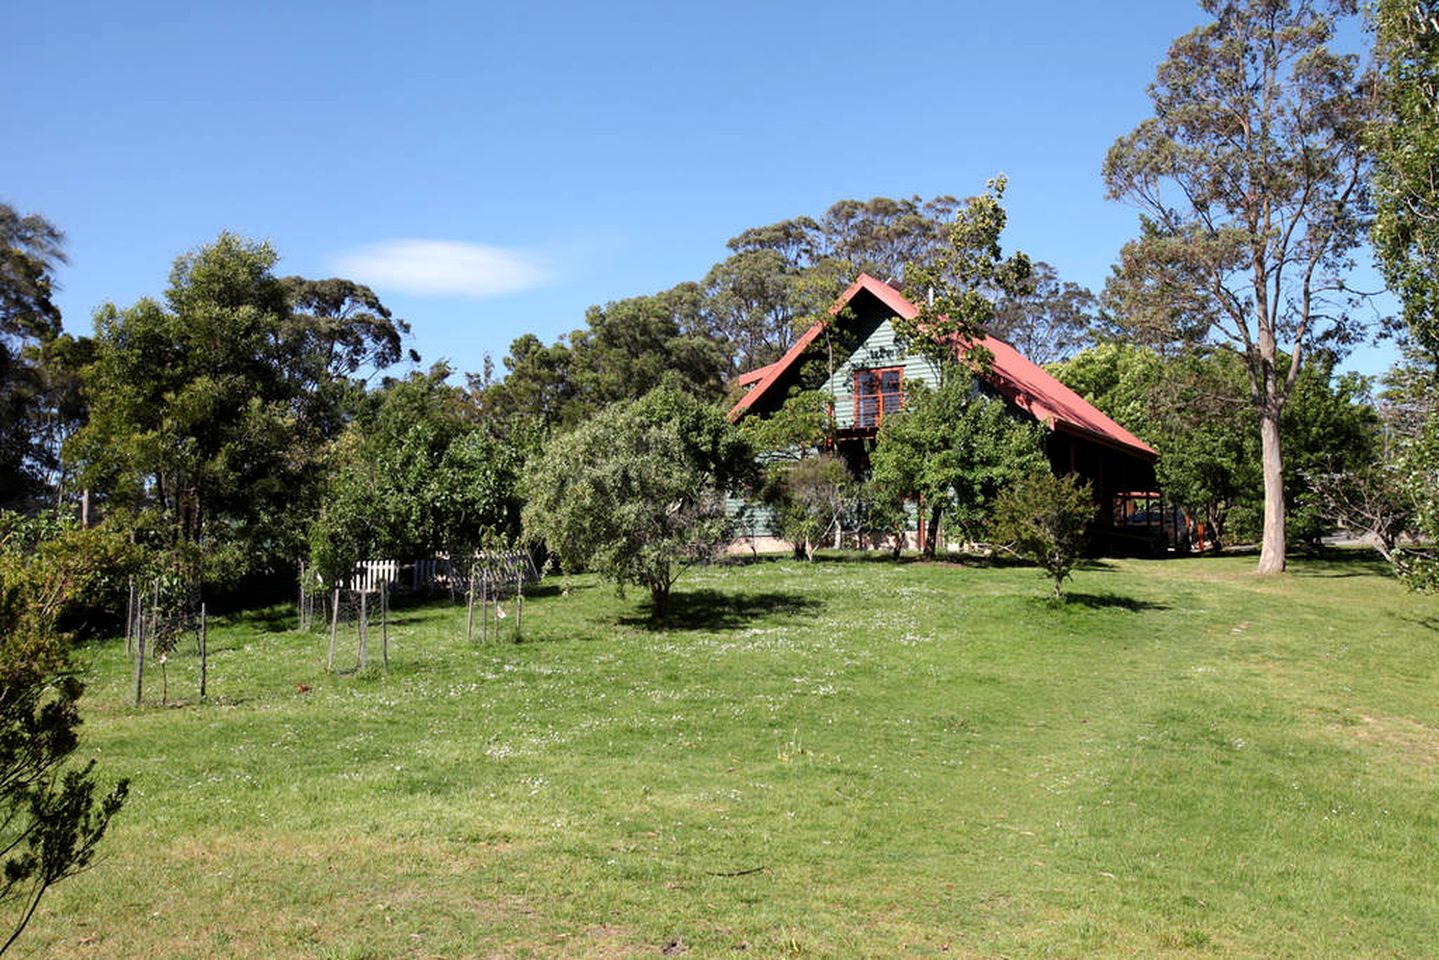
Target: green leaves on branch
(637, 493)
(1043, 518)
(416, 474)
(1405, 141)
(957, 285)
(215, 407)
(955, 448)
(51, 819)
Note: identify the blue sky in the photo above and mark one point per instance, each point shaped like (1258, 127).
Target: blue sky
(494, 169)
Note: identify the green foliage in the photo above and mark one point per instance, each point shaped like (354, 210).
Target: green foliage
(1418, 564)
(50, 818)
(414, 474)
(801, 425)
(1196, 410)
(1250, 179)
(956, 448)
(811, 497)
(30, 249)
(1042, 518)
(214, 408)
(1046, 319)
(956, 285)
(1405, 140)
(636, 493)
(627, 348)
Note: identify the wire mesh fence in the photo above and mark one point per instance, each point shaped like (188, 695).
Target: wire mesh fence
(165, 619)
(493, 579)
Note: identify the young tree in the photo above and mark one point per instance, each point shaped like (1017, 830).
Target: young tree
(956, 449)
(636, 493)
(1418, 564)
(810, 497)
(51, 819)
(414, 474)
(1043, 518)
(958, 282)
(1250, 176)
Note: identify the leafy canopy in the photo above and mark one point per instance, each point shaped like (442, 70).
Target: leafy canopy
(1250, 180)
(636, 493)
(956, 448)
(1043, 518)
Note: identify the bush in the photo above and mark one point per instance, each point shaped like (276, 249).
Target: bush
(1042, 518)
(636, 494)
(50, 818)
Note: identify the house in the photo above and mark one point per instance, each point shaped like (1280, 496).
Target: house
(867, 382)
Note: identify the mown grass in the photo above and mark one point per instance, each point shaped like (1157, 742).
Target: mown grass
(840, 759)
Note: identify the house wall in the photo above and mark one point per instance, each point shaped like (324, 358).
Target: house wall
(877, 349)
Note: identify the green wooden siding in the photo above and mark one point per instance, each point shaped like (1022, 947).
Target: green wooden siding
(877, 350)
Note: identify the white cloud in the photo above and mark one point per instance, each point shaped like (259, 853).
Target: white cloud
(443, 268)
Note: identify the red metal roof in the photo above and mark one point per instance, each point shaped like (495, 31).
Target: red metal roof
(1025, 384)
(758, 373)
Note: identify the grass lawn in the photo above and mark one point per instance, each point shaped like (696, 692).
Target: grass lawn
(850, 758)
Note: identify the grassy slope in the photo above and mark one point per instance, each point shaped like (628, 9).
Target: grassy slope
(1184, 760)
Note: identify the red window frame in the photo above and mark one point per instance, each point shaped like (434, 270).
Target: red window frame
(877, 391)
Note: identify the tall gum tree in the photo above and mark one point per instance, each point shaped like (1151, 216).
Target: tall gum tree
(1251, 181)
(1406, 175)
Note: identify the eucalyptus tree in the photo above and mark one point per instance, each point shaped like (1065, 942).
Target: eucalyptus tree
(1047, 319)
(1251, 178)
(1406, 172)
(211, 409)
(31, 248)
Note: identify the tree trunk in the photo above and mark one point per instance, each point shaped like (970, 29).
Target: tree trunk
(659, 601)
(932, 533)
(1271, 551)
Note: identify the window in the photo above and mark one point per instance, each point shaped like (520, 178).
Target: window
(876, 393)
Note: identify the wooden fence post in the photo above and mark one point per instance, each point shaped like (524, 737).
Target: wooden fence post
(204, 652)
(334, 625)
(139, 665)
(470, 608)
(130, 621)
(385, 622)
(363, 617)
(519, 599)
(154, 614)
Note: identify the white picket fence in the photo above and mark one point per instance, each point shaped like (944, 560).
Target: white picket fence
(370, 575)
(437, 572)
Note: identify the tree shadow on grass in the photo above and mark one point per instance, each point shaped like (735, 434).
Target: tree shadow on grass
(1428, 623)
(1111, 601)
(1342, 562)
(276, 619)
(713, 610)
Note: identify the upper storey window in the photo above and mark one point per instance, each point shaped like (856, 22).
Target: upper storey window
(876, 393)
